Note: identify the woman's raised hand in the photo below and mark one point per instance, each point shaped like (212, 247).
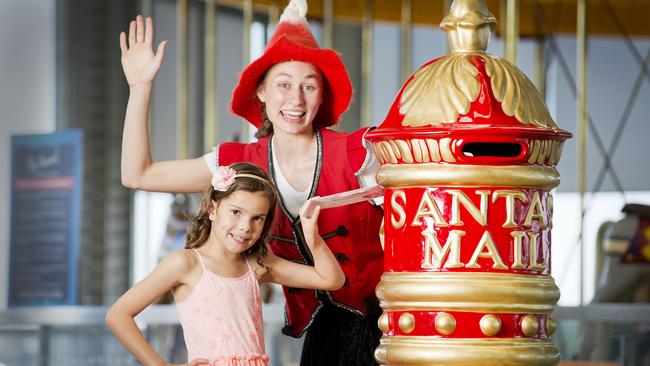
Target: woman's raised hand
(139, 62)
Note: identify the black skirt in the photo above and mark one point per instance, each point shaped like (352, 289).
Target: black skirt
(338, 337)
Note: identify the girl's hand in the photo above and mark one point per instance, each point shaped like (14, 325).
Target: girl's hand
(309, 224)
(139, 63)
(325, 274)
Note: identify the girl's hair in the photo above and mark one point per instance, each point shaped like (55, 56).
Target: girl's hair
(199, 229)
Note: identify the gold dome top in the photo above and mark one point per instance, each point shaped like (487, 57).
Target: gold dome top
(469, 87)
(468, 25)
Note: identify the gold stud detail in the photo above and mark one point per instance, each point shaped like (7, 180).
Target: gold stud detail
(383, 322)
(550, 326)
(406, 322)
(529, 325)
(490, 325)
(445, 323)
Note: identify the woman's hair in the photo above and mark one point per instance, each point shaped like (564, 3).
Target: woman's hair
(267, 126)
(199, 229)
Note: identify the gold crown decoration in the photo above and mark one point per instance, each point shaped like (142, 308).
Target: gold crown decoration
(442, 91)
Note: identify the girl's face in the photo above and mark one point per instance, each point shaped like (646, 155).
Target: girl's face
(292, 93)
(238, 220)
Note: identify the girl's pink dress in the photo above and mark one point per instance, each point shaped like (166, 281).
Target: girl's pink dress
(222, 320)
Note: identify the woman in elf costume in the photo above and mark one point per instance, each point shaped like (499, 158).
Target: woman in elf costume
(292, 93)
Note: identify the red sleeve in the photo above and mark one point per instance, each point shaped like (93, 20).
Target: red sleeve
(230, 153)
(356, 150)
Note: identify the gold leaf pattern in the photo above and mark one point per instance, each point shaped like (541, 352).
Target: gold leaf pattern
(405, 151)
(443, 90)
(395, 148)
(440, 91)
(534, 150)
(388, 151)
(542, 152)
(517, 94)
(433, 150)
(420, 150)
(445, 150)
(379, 154)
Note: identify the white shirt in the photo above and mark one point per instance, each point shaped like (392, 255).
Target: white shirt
(293, 199)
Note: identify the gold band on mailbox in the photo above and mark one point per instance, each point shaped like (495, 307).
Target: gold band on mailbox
(413, 350)
(468, 291)
(431, 174)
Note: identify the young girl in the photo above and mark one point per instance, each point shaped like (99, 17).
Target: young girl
(215, 279)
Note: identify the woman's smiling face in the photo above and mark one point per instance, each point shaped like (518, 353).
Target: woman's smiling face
(292, 93)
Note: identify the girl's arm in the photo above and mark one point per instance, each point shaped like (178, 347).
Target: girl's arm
(326, 274)
(120, 317)
(140, 65)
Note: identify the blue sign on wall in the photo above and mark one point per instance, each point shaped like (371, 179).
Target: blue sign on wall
(46, 183)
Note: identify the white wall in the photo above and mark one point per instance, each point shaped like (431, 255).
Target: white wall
(27, 92)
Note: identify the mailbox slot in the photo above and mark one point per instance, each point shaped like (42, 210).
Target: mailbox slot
(492, 151)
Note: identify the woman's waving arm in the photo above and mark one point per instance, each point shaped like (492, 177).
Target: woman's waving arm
(139, 171)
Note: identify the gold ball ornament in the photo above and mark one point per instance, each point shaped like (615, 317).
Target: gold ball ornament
(550, 326)
(383, 322)
(406, 322)
(490, 325)
(445, 323)
(529, 325)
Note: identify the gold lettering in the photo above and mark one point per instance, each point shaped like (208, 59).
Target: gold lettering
(517, 249)
(459, 197)
(397, 208)
(511, 197)
(434, 255)
(486, 242)
(535, 211)
(428, 207)
(533, 246)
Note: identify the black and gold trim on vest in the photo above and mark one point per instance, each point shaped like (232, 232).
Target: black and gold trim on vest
(315, 180)
(297, 240)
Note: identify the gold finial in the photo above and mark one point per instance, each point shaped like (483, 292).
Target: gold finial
(468, 25)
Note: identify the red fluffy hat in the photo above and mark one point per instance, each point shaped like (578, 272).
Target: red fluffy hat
(293, 41)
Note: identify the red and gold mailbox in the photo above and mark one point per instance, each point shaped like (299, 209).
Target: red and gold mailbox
(469, 154)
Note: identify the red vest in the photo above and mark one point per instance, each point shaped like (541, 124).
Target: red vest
(351, 232)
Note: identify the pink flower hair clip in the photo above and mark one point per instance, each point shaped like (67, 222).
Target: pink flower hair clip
(223, 178)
